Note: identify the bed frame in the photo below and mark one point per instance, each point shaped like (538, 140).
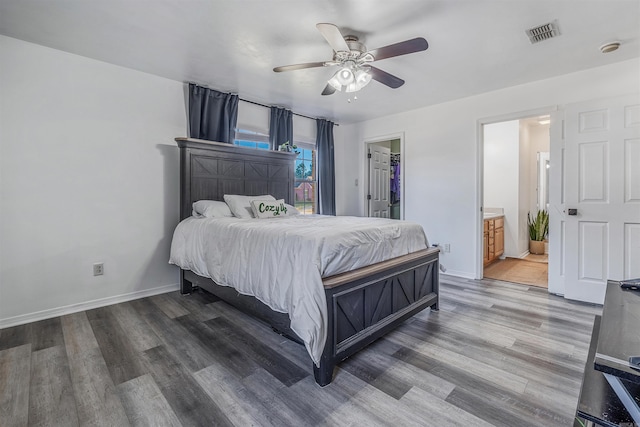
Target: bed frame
(362, 304)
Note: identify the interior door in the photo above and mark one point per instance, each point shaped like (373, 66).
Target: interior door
(379, 176)
(602, 195)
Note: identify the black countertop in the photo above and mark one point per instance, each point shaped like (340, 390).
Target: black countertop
(615, 338)
(619, 337)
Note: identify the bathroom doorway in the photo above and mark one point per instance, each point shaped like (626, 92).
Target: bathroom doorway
(515, 186)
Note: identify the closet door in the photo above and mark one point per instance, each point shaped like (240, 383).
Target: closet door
(379, 181)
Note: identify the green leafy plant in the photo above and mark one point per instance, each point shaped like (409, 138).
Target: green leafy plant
(538, 225)
(288, 147)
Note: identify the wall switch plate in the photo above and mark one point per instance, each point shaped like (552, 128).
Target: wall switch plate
(447, 247)
(98, 269)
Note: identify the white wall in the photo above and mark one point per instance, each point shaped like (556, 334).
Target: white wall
(88, 173)
(441, 153)
(346, 157)
(502, 178)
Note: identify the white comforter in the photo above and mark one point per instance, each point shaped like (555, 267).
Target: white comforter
(281, 261)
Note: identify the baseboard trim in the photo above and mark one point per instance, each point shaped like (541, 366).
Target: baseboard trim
(88, 305)
(462, 274)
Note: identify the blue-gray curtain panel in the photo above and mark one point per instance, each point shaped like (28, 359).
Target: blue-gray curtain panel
(326, 168)
(280, 127)
(212, 115)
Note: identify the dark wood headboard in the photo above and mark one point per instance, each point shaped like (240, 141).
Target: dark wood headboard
(209, 170)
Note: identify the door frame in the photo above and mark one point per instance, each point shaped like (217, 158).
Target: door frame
(480, 123)
(377, 139)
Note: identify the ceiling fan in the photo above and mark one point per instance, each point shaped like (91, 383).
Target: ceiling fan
(354, 61)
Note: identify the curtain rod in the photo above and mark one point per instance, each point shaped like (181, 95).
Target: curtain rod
(262, 105)
(268, 106)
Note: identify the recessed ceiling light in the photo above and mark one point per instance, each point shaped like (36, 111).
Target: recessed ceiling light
(609, 47)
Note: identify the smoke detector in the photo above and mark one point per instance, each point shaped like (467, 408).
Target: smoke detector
(543, 32)
(609, 47)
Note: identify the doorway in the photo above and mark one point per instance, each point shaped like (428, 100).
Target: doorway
(385, 185)
(515, 187)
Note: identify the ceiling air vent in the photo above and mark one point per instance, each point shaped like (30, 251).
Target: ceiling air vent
(543, 32)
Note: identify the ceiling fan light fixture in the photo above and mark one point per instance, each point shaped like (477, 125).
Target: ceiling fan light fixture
(362, 78)
(345, 76)
(352, 87)
(351, 56)
(335, 82)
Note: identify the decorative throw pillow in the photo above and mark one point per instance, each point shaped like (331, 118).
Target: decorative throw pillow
(269, 209)
(241, 205)
(211, 209)
(291, 210)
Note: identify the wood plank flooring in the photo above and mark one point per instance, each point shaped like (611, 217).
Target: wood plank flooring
(496, 354)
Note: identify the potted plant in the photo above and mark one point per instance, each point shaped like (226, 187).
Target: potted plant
(538, 231)
(288, 147)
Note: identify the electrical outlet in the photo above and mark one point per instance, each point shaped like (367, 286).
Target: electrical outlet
(98, 269)
(447, 247)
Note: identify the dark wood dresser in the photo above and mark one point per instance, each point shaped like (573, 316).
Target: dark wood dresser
(610, 392)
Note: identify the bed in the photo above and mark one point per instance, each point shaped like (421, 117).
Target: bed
(362, 303)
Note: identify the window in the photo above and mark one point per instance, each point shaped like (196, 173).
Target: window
(251, 139)
(306, 184)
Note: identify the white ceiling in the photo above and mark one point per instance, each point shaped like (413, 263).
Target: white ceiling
(475, 46)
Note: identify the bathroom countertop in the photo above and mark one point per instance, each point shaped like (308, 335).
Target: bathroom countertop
(491, 215)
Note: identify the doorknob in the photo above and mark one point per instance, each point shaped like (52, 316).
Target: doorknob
(573, 211)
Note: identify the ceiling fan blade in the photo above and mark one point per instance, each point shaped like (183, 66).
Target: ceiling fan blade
(329, 90)
(386, 78)
(408, 46)
(299, 66)
(333, 36)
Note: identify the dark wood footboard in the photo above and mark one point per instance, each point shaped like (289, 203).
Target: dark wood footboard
(362, 305)
(364, 309)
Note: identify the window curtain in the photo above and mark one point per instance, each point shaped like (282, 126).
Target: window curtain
(280, 127)
(212, 115)
(326, 168)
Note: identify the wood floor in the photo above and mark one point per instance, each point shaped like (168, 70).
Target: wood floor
(534, 272)
(495, 354)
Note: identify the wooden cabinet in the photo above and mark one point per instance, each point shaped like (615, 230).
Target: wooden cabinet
(499, 236)
(493, 239)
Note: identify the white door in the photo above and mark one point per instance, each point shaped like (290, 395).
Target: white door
(379, 176)
(602, 184)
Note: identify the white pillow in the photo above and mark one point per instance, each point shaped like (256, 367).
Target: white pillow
(291, 210)
(241, 205)
(211, 209)
(270, 208)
